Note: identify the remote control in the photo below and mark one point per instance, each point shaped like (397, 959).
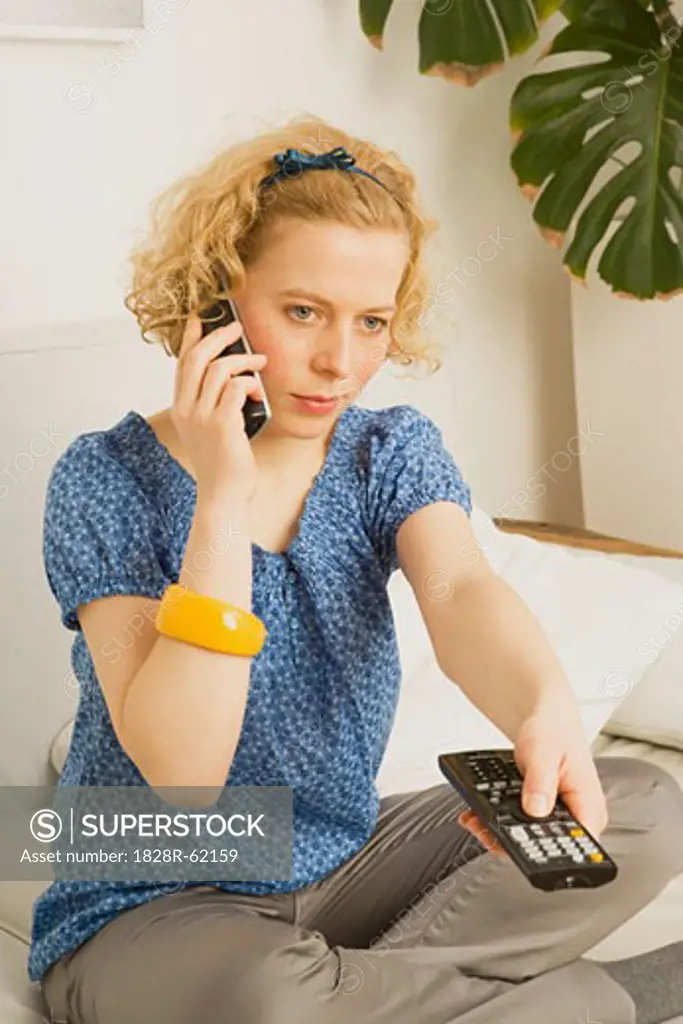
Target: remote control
(554, 852)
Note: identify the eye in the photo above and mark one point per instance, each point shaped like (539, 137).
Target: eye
(290, 308)
(378, 321)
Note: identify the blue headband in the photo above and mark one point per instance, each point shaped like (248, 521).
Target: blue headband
(292, 162)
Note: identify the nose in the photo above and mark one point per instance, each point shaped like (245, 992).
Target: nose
(334, 351)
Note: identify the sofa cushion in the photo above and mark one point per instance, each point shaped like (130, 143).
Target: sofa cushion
(59, 747)
(16, 904)
(653, 711)
(21, 1001)
(599, 611)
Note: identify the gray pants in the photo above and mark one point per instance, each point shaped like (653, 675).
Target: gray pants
(421, 926)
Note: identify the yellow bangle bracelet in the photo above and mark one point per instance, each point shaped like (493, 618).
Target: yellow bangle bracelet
(209, 622)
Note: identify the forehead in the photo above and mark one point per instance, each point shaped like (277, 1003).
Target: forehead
(334, 260)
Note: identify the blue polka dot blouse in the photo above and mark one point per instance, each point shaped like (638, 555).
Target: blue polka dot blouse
(118, 513)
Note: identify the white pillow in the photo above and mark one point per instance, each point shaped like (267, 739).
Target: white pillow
(653, 711)
(59, 747)
(598, 613)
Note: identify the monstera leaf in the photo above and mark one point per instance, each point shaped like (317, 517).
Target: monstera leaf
(619, 119)
(599, 143)
(465, 40)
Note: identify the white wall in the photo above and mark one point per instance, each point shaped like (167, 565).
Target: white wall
(628, 360)
(90, 132)
(629, 379)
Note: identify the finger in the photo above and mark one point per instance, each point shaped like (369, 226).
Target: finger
(489, 841)
(235, 392)
(193, 364)
(539, 790)
(191, 334)
(583, 794)
(217, 373)
(470, 821)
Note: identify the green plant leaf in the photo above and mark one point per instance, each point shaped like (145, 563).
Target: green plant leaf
(607, 12)
(572, 122)
(373, 18)
(466, 40)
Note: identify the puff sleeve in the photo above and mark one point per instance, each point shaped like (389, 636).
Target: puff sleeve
(411, 468)
(101, 534)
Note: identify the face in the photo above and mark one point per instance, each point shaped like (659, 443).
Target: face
(318, 302)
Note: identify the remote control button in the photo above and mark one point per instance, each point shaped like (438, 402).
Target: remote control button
(597, 858)
(518, 832)
(576, 832)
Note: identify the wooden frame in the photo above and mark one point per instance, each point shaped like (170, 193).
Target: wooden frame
(574, 536)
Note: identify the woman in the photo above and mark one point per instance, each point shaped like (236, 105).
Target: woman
(400, 908)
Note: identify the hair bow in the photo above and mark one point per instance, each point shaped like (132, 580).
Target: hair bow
(293, 161)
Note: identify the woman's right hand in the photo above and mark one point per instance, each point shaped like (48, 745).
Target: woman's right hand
(207, 411)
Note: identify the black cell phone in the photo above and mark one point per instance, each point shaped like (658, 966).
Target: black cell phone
(256, 413)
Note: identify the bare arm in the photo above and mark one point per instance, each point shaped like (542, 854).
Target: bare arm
(484, 635)
(177, 709)
(182, 714)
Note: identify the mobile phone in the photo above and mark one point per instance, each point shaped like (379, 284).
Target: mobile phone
(256, 413)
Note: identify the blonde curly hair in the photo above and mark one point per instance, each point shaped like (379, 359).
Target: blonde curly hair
(207, 227)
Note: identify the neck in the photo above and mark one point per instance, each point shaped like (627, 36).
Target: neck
(279, 454)
(276, 454)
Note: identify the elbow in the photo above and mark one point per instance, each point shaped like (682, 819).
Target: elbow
(183, 789)
(196, 797)
(176, 783)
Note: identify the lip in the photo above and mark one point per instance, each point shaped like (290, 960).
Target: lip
(317, 398)
(314, 406)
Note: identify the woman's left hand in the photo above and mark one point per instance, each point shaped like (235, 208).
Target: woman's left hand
(553, 756)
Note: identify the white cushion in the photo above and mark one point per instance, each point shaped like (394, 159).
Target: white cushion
(21, 1001)
(597, 612)
(59, 747)
(654, 710)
